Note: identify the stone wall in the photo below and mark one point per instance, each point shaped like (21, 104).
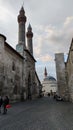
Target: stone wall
(38, 86)
(69, 69)
(2, 40)
(29, 69)
(13, 74)
(10, 72)
(61, 76)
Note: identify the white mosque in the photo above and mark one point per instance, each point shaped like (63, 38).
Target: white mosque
(49, 84)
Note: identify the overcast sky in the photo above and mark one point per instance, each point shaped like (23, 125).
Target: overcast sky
(52, 25)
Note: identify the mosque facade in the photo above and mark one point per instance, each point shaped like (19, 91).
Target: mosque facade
(49, 84)
(18, 76)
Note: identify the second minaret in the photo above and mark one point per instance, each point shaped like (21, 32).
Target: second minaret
(29, 35)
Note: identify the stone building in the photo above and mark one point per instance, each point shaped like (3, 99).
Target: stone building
(18, 77)
(64, 72)
(49, 84)
(69, 71)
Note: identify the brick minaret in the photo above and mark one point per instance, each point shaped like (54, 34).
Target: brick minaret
(45, 72)
(29, 35)
(21, 32)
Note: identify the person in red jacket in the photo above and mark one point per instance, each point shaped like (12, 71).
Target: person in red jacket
(5, 102)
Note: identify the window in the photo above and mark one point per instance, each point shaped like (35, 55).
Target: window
(13, 66)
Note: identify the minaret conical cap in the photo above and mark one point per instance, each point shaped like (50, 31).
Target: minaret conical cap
(29, 31)
(22, 9)
(29, 27)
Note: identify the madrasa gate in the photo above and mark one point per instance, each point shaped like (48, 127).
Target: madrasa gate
(18, 77)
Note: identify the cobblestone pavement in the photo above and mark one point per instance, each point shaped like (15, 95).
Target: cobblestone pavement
(40, 114)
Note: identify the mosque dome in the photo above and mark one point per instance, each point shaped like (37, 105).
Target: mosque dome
(49, 84)
(49, 78)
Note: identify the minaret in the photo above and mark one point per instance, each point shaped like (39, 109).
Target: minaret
(29, 35)
(21, 32)
(45, 72)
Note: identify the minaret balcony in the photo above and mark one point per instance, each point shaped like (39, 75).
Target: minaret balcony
(21, 18)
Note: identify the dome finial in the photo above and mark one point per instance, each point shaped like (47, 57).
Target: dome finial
(23, 4)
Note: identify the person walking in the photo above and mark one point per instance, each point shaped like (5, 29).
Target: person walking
(5, 102)
(1, 102)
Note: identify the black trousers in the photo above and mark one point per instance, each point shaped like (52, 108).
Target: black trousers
(4, 109)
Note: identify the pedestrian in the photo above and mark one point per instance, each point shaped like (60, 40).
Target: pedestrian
(1, 102)
(5, 102)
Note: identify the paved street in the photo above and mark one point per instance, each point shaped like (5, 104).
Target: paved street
(41, 114)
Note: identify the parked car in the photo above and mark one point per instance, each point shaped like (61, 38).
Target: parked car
(58, 98)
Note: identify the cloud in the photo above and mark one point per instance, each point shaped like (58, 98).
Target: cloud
(51, 39)
(68, 21)
(45, 58)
